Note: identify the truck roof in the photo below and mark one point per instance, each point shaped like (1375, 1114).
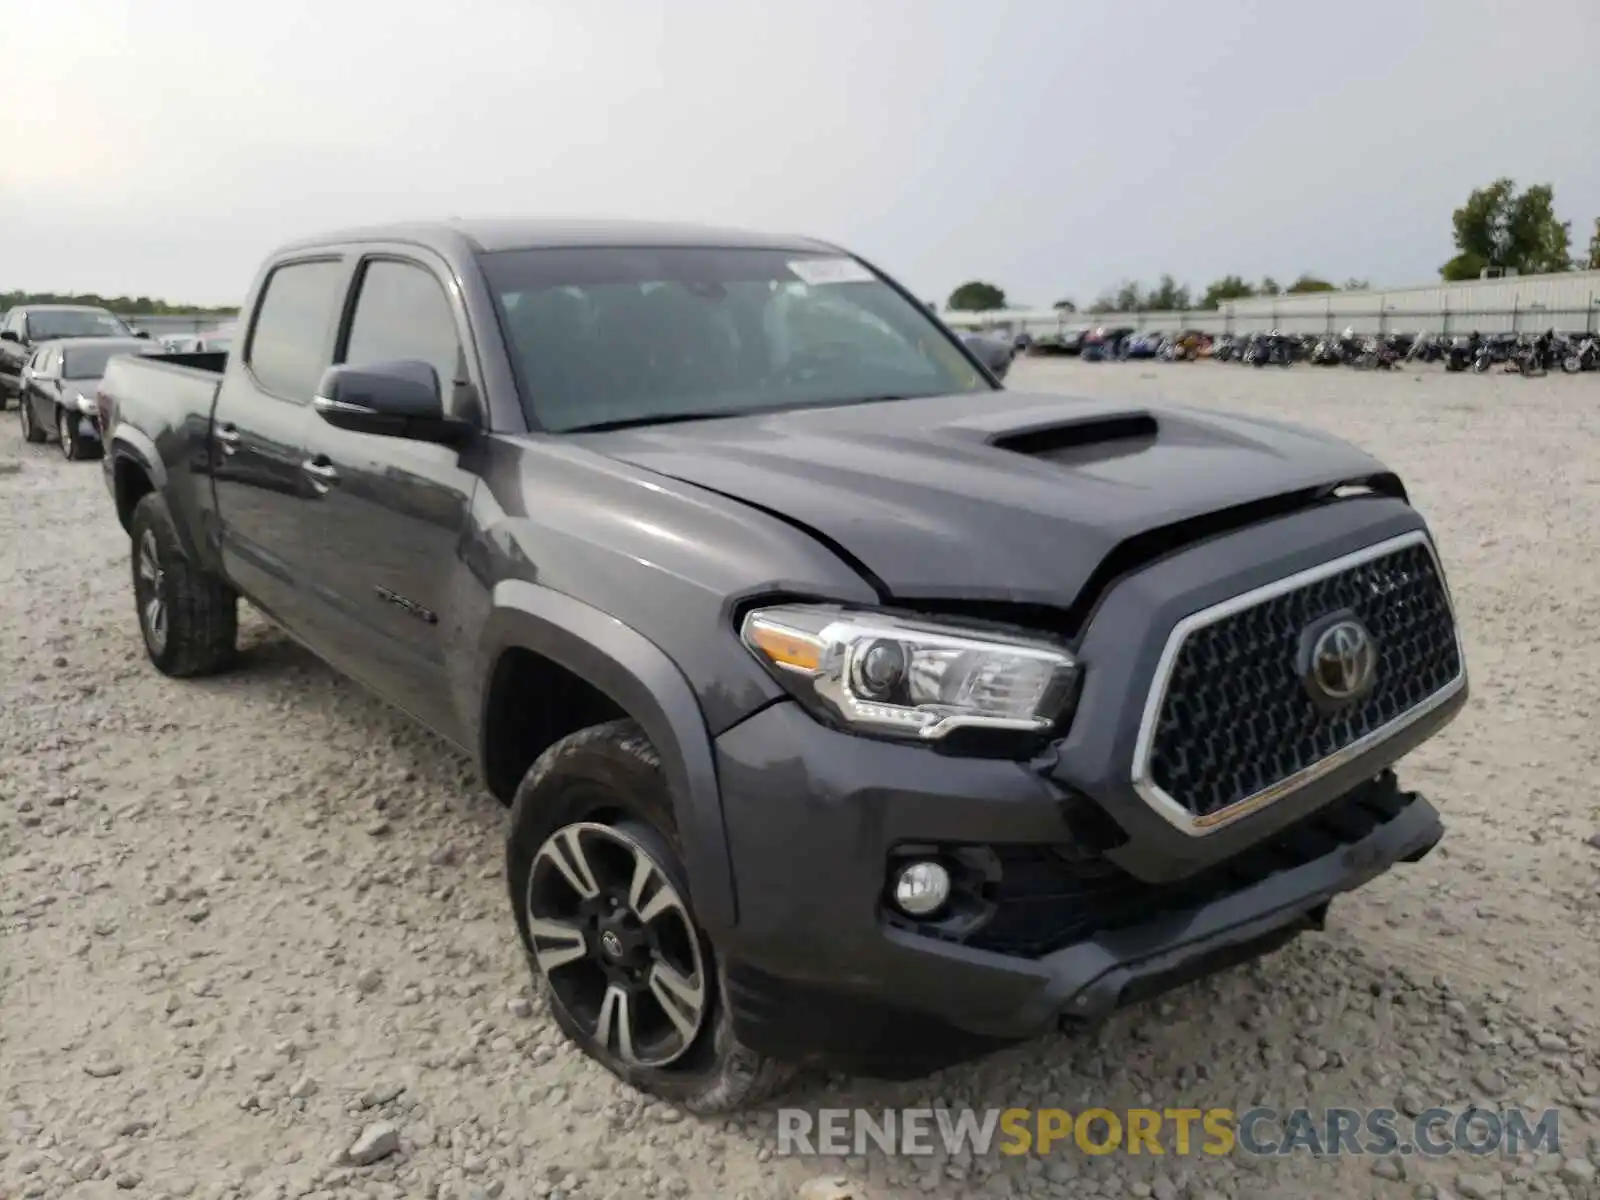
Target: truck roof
(479, 236)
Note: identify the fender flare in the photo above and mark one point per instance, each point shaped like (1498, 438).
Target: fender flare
(133, 445)
(639, 677)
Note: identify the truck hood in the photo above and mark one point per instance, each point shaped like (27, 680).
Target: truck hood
(1007, 496)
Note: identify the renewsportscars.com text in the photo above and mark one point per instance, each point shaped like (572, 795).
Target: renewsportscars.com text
(1211, 1132)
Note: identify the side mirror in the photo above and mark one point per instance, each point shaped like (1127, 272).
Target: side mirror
(393, 399)
(141, 333)
(9, 335)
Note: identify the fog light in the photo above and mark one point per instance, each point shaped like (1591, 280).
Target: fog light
(921, 889)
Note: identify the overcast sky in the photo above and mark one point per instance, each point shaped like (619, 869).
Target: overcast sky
(161, 147)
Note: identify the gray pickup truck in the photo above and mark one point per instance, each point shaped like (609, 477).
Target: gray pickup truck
(852, 708)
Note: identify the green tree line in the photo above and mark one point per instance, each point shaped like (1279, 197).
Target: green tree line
(1499, 229)
(137, 306)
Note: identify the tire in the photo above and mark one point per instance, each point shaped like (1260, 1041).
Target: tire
(1572, 364)
(188, 618)
(74, 446)
(30, 428)
(1480, 366)
(590, 807)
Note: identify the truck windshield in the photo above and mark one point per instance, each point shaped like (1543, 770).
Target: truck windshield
(606, 337)
(74, 322)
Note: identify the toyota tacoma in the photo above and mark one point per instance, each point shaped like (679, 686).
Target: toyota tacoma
(852, 709)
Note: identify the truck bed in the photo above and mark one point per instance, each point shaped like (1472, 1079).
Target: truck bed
(170, 387)
(199, 362)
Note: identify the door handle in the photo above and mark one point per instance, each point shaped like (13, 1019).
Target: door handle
(227, 439)
(323, 476)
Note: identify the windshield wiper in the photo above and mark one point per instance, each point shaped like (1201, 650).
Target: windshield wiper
(723, 413)
(662, 419)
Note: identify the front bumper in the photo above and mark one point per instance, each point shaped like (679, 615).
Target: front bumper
(820, 968)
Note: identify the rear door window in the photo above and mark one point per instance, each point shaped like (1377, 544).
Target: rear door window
(291, 340)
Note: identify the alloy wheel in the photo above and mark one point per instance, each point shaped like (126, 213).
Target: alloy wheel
(65, 429)
(25, 415)
(616, 944)
(151, 589)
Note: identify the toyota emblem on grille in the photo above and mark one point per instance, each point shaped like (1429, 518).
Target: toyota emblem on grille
(1341, 662)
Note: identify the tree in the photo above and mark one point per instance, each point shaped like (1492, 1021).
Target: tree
(1167, 296)
(976, 296)
(139, 306)
(1129, 297)
(1229, 287)
(1355, 285)
(1064, 306)
(1500, 227)
(1594, 247)
(1308, 283)
(1269, 287)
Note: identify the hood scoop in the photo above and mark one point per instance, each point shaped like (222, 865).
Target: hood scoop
(1059, 440)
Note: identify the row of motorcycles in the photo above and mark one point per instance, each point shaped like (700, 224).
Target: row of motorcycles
(1526, 353)
(1274, 348)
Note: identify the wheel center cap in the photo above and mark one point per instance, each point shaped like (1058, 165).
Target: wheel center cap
(611, 944)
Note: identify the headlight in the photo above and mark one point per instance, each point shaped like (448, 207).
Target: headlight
(86, 405)
(908, 678)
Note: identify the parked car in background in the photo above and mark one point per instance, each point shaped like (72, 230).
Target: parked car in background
(209, 341)
(1105, 342)
(59, 387)
(1067, 340)
(204, 341)
(30, 325)
(995, 353)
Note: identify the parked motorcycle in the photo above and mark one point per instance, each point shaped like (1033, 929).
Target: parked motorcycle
(1582, 355)
(1497, 348)
(1377, 354)
(1463, 352)
(1271, 347)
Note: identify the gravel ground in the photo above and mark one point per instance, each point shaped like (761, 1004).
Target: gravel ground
(249, 923)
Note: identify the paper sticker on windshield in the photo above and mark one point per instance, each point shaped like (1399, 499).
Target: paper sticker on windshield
(817, 271)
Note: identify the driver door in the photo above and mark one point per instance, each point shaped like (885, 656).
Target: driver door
(389, 513)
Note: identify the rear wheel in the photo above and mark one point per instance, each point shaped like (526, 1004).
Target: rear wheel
(188, 617)
(594, 868)
(30, 427)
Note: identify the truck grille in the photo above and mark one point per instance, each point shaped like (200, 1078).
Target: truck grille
(1235, 720)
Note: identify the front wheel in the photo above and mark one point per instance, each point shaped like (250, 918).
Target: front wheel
(74, 446)
(188, 617)
(594, 869)
(1572, 364)
(31, 432)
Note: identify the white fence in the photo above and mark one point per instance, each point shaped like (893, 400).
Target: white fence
(1569, 301)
